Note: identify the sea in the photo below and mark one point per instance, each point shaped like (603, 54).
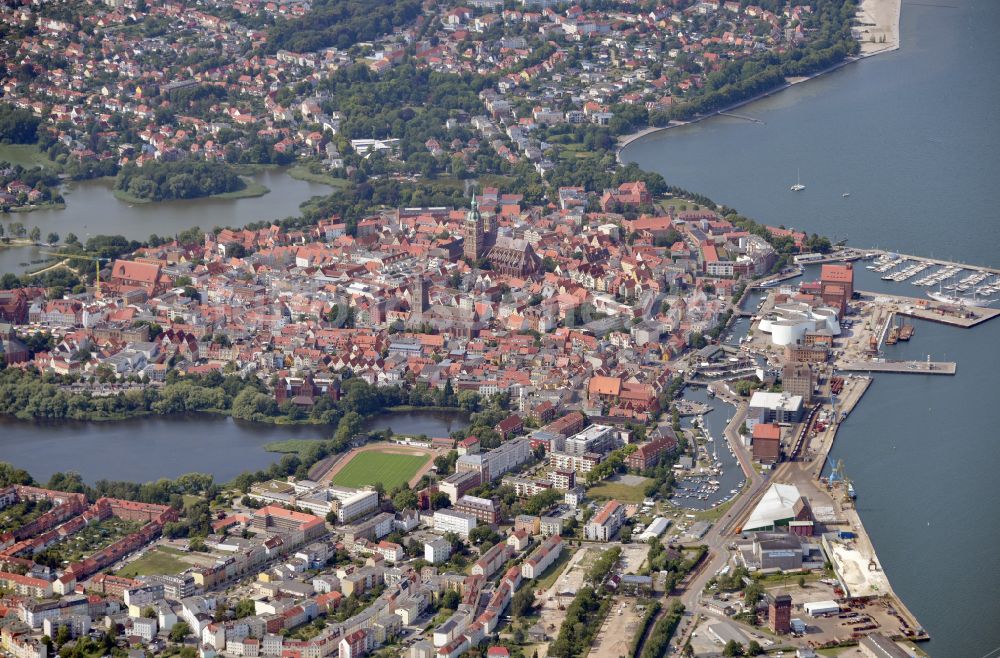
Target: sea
(912, 137)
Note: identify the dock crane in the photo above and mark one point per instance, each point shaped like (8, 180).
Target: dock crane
(838, 475)
(96, 260)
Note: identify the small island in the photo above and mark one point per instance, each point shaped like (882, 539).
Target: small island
(169, 181)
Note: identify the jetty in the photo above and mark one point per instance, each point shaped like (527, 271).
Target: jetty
(902, 367)
(742, 117)
(954, 315)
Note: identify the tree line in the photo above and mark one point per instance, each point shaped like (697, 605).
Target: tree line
(18, 126)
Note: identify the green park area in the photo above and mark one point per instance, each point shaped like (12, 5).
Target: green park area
(371, 466)
(161, 560)
(621, 491)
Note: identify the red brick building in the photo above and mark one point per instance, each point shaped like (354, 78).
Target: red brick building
(649, 454)
(13, 306)
(837, 285)
(779, 613)
(767, 443)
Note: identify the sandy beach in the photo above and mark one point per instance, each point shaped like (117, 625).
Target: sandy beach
(878, 26)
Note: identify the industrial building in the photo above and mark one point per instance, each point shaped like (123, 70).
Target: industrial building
(766, 407)
(780, 505)
(798, 379)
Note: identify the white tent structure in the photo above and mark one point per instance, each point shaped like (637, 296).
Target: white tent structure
(778, 506)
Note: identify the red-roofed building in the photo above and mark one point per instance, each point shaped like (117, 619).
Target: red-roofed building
(131, 275)
(649, 454)
(837, 285)
(767, 443)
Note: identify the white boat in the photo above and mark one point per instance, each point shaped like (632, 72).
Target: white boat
(798, 187)
(956, 300)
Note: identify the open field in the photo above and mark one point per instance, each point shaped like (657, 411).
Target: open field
(290, 446)
(387, 463)
(157, 561)
(619, 491)
(26, 155)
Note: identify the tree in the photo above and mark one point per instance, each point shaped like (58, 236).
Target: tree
(732, 648)
(439, 500)
(754, 648)
(180, 631)
(450, 599)
(245, 608)
(35, 234)
(63, 635)
(524, 600)
(405, 499)
(52, 238)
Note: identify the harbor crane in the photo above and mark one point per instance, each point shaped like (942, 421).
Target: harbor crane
(839, 475)
(96, 260)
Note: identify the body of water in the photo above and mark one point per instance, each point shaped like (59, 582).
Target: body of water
(147, 449)
(730, 477)
(433, 424)
(92, 209)
(914, 137)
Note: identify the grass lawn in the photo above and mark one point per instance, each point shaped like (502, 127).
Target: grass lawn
(26, 155)
(618, 491)
(373, 466)
(290, 446)
(302, 172)
(158, 561)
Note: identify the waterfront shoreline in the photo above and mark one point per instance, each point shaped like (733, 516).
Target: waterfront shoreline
(627, 140)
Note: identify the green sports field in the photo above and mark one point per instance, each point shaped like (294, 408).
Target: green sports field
(369, 467)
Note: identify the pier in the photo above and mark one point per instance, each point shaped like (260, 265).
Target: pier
(935, 261)
(902, 367)
(743, 117)
(964, 317)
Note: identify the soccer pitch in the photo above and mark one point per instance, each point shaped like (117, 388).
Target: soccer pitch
(371, 466)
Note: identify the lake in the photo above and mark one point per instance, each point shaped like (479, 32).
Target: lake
(432, 423)
(147, 449)
(92, 209)
(914, 136)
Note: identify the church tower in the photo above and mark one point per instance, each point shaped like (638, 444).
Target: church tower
(475, 235)
(419, 300)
